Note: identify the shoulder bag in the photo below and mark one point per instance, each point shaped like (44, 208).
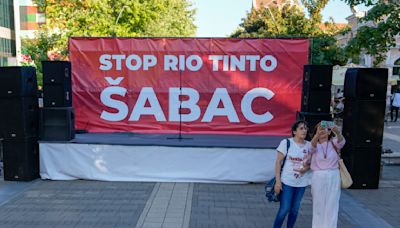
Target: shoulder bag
(269, 187)
(345, 177)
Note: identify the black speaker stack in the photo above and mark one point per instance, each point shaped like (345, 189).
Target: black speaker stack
(19, 118)
(316, 95)
(57, 115)
(363, 123)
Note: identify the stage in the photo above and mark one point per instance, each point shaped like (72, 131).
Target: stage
(160, 158)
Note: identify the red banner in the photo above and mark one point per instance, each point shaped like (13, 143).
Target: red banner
(210, 86)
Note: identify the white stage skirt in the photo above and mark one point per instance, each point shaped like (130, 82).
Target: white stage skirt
(69, 161)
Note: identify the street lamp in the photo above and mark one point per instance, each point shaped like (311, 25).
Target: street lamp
(116, 21)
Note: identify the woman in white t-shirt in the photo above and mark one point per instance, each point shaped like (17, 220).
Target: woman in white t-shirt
(294, 178)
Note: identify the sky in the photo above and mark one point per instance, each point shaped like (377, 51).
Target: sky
(220, 18)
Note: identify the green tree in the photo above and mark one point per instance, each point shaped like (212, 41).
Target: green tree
(273, 22)
(290, 21)
(105, 18)
(377, 38)
(38, 49)
(314, 8)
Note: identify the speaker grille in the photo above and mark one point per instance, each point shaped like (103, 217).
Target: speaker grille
(57, 88)
(363, 122)
(21, 159)
(17, 82)
(363, 164)
(366, 83)
(19, 117)
(57, 124)
(317, 77)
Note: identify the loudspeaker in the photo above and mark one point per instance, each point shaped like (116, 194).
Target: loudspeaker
(317, 77)
(56, 72)
(363, 122)
(18, 81)
(57, 95)
(316, 101)
(366, 83)
(57, 124)
(21, 159)
(57, 89)
(19, 117)
(363, 164)
(313, 119)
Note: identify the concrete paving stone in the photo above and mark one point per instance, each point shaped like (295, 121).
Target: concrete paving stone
(89, 218)
(173, 220)
(152, 225)
(22, 226)
(204, 204)
(106, 223)
(196, 212)
(223, 204)
(171, 225)
(75, 202)
(158, 209)
(132, 207)
(177, 207)
(84, 224)
(154, 219)
(40, 225)
(158, 213)
(235, 211)
(252, 211)
(207, 223)
(63, 226)
(174, 215)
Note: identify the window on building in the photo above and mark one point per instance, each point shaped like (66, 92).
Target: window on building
(7, 14)
(396, 67)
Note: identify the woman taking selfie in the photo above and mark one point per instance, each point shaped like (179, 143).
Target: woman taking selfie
(325, 184)
(293, 180)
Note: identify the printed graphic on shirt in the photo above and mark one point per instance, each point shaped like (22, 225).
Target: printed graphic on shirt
(297, 156)
(298, 163)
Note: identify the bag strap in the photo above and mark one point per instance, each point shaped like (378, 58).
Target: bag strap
(287, 151)
(336, 149)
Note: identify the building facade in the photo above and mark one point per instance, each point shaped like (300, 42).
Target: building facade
(18, 19)
(9, 36)
(30, 18)
(392, 61)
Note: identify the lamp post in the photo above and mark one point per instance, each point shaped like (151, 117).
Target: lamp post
(116, 21)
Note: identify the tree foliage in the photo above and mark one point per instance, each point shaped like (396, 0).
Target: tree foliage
(376, 40)
(104, 18)
(290, 21)
(272, 22)
(40, 48)
(314, 8)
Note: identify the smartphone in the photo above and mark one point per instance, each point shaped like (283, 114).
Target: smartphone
(327, 124)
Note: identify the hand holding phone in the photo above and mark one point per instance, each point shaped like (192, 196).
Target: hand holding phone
(327, 124)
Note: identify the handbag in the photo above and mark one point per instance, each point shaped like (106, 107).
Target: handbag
(269, 187)
(345, 178)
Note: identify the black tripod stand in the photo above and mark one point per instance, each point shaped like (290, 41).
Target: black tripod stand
(180, 137)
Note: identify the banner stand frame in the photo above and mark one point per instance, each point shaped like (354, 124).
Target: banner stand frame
(180, 138)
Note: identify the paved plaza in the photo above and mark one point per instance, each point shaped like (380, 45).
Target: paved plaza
(83, 203)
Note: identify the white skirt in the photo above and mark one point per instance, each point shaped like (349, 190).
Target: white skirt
(325, 190)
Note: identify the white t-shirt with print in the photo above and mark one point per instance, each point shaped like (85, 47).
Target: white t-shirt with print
(297, 156)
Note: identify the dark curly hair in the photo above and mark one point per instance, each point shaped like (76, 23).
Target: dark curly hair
(297, 124)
